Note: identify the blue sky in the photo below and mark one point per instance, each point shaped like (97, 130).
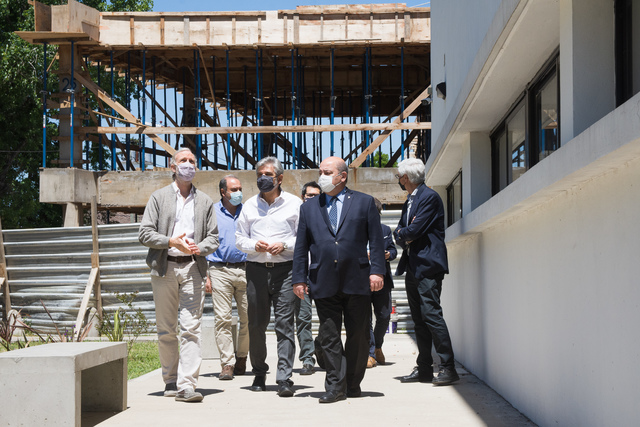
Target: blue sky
(199, 5)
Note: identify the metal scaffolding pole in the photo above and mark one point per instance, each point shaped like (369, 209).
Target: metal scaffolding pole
(293, 109)
(100, 148)
(153, 106)
(144, 109)
(71, 90)
(257, 102)
(332, 100)
(275, 103)
(113, 113)
(402, 134)
(228, 114)
(44, 109)
(198, 100)
(128, 164)
(246, 114)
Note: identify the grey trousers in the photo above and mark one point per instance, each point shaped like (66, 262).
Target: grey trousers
(304, 332)
(267, 287)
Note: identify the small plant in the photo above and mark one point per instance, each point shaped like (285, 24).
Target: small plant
(11, 325)
(126, 321)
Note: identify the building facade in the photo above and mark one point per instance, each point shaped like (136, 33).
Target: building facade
(536, 151)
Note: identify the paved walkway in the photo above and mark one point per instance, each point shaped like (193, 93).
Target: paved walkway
(385, 400)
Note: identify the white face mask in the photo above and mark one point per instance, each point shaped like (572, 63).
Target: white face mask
(186, 171)
(326, 183)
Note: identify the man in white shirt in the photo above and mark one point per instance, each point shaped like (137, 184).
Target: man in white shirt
(266, 232)
(179, 228)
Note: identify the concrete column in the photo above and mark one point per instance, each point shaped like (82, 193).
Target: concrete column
(587, 66)
(72, 213)
(476, 171)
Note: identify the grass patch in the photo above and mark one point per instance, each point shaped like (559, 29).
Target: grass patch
(143, 358)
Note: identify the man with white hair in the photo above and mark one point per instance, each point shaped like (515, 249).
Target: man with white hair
(179, 228)
(420, 233)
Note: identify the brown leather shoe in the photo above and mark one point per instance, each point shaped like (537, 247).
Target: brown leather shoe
(371, 363)
(379, 355)
(227, 373)
(241, 366)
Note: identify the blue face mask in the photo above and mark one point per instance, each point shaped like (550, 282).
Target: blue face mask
(236, 198)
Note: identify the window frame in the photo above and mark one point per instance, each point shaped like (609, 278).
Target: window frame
(451, 199)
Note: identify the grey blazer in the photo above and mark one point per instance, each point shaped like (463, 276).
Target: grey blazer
(157, 226)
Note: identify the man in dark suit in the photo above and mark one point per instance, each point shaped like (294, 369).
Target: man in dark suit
(336, 228)
(420, 233)
(381, 300)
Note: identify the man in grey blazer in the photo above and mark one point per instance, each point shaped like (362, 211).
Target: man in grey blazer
(179, 227)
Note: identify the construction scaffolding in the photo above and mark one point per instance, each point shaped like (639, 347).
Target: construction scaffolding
(299, 84)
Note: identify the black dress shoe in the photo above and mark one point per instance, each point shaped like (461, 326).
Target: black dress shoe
(332, 396)
(259, 383)
(354, 392)
(307, 369)
(284, 388)
(415, 377)
(446, 376)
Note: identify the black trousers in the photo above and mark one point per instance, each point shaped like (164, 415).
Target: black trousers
(345, 366)
(381, 301)
(430, 327)
(267, 287)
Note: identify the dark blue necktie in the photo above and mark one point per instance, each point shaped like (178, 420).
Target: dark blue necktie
(333, 213)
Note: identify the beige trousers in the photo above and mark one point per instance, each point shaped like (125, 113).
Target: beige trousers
(228, 283)
(179, 300)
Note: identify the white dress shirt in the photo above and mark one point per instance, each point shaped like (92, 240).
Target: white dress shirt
(185, 219)
(273, 223)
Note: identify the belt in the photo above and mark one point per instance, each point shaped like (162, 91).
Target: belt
(181, 259)
(273, 264)
(228, 264)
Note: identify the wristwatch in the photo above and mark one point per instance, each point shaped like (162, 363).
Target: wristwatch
(285, 246)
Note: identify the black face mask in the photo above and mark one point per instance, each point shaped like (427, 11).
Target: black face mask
(265, 183)
(401, 186)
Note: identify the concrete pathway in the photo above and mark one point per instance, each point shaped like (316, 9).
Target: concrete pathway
(385, 400)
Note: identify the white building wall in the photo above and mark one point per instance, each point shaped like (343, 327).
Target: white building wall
(542, 300)
(545, 306)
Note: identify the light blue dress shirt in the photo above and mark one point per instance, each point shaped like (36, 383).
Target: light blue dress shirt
(227, 251)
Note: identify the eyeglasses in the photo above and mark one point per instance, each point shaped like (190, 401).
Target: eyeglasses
(398, 176)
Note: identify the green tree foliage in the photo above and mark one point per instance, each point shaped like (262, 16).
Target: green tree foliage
(379, 162)
(21, 83)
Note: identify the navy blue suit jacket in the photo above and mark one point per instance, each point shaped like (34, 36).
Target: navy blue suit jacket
(390, 247)
(422, 239)
(339, 262)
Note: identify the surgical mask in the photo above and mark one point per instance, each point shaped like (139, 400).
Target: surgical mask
(326, 183)
(402, 186)
(186, 171)
(265, 183)
(236, 198)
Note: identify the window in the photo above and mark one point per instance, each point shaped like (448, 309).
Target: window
(454, 199)
(627, 53)
(530, 130)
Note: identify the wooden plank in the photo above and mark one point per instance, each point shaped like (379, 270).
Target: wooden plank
(148, 130)
(284, 29)
(132, 31)
(186, 31)
(385, 134)
(85, 302)
(296, 28)
(42, 14)
(103, 96)
(207, 31)
(233, 30)
(162, 30)
(4, 281)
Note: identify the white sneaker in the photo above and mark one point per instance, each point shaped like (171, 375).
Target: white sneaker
(189, 396)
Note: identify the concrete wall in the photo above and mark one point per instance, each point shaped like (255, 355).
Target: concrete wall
(545, 307)
(542, 299)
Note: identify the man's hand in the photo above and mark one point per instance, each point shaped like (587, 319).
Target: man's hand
(376, 282)
(386, 254)
(195, 250)
(207, 286)
(300, 289)
(261, 246)
(182, 245)
(275, 248)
